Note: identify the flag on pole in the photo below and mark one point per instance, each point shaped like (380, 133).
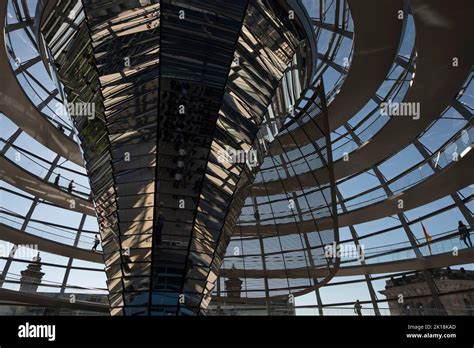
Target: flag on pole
(427, 236)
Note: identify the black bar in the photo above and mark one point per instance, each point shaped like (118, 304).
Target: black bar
(291, 331)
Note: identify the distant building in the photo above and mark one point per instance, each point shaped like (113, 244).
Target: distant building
(30, 281)
(417, 300)
(233, 288)
(32, 275)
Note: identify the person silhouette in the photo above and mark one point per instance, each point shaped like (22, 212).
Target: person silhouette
(358, 308)
(56, 180)
(70, 186)
(464, 234)
(96, 242)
